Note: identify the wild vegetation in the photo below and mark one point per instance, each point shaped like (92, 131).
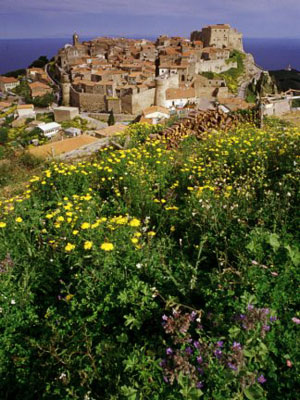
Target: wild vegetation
(23, 90)
(155, 273)
(233, 75)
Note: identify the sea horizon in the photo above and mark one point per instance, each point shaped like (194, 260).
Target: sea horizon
(270, 53)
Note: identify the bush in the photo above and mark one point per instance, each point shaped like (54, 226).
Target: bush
(3, 135)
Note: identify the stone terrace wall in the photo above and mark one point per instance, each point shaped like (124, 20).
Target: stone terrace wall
(87, 101)
(216, 66)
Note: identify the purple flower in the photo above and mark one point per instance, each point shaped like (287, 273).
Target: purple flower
(265, 311)
(199, 385)
(196, 344)
(272, 319)
(166, 379)
(193, 315)
(200, 370)
(266, 328)
(242, 316)
(165, 318)
(189, 350)
(236, 346)
(163, 363)
(220, 343)
(261, 379)
(250, 307)
(296, 320)
(169, 351)
(232, 366)
(218, 353)
(199, 359)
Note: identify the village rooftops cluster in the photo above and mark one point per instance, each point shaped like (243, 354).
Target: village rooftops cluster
(125, 75)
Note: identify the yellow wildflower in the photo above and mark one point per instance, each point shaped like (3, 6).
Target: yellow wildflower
(151, 233)
(69, 297)
(19, 219)
(85, 225)
(2, 224)
(75, 232)
(134, 240)
(134, 222)
(88, 245)
(69, 247)
(106, 246)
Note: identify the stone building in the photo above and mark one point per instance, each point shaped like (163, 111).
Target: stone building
(39, 89)
(8, 83)
(220, 35)
(65, 113)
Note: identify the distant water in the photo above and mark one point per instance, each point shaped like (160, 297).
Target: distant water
(269, 53)
(274, 54)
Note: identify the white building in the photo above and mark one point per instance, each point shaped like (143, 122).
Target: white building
(8, 83)
(155, 114)
(178, 98)
(50, 129)
(72, 132)
(26, 111)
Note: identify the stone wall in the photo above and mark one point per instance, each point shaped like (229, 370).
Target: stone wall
(216, 66)
(140, 101)
(277, 107)
(118, 117)
(87, 101)
(208, 92)
(113, 104)
(63, 114)
(136, 103)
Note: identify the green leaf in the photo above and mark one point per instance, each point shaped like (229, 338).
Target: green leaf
(253, 392)
(274, 241)
(294, 255)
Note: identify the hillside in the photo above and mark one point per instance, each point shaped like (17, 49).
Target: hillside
(286, 80)
(156, 271)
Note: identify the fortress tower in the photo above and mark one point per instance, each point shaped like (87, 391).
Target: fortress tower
(66, 87)
(220, 35)
(161, 85)
(75, 40)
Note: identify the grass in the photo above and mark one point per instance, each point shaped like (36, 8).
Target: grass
(155, 273)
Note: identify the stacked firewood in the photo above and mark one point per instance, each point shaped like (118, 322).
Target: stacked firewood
(199, 122)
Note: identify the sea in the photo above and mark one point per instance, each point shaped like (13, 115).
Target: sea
(271, 54)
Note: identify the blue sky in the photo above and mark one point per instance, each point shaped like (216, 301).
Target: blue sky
(60, 18)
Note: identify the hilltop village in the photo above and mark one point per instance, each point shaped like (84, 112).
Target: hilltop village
(91, 85)
(128, 76)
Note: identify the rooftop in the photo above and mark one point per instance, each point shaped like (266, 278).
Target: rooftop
(172, 94)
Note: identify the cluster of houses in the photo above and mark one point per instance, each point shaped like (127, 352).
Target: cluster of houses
(128, 76)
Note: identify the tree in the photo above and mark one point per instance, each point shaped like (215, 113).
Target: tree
(3, 135)
(43, 101)
(39, 63)
(111, 118)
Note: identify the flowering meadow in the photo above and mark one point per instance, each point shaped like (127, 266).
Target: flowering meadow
(155, 273)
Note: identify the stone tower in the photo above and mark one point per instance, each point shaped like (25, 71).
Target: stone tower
(161, 86)
(75, 39)
(66, 87)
